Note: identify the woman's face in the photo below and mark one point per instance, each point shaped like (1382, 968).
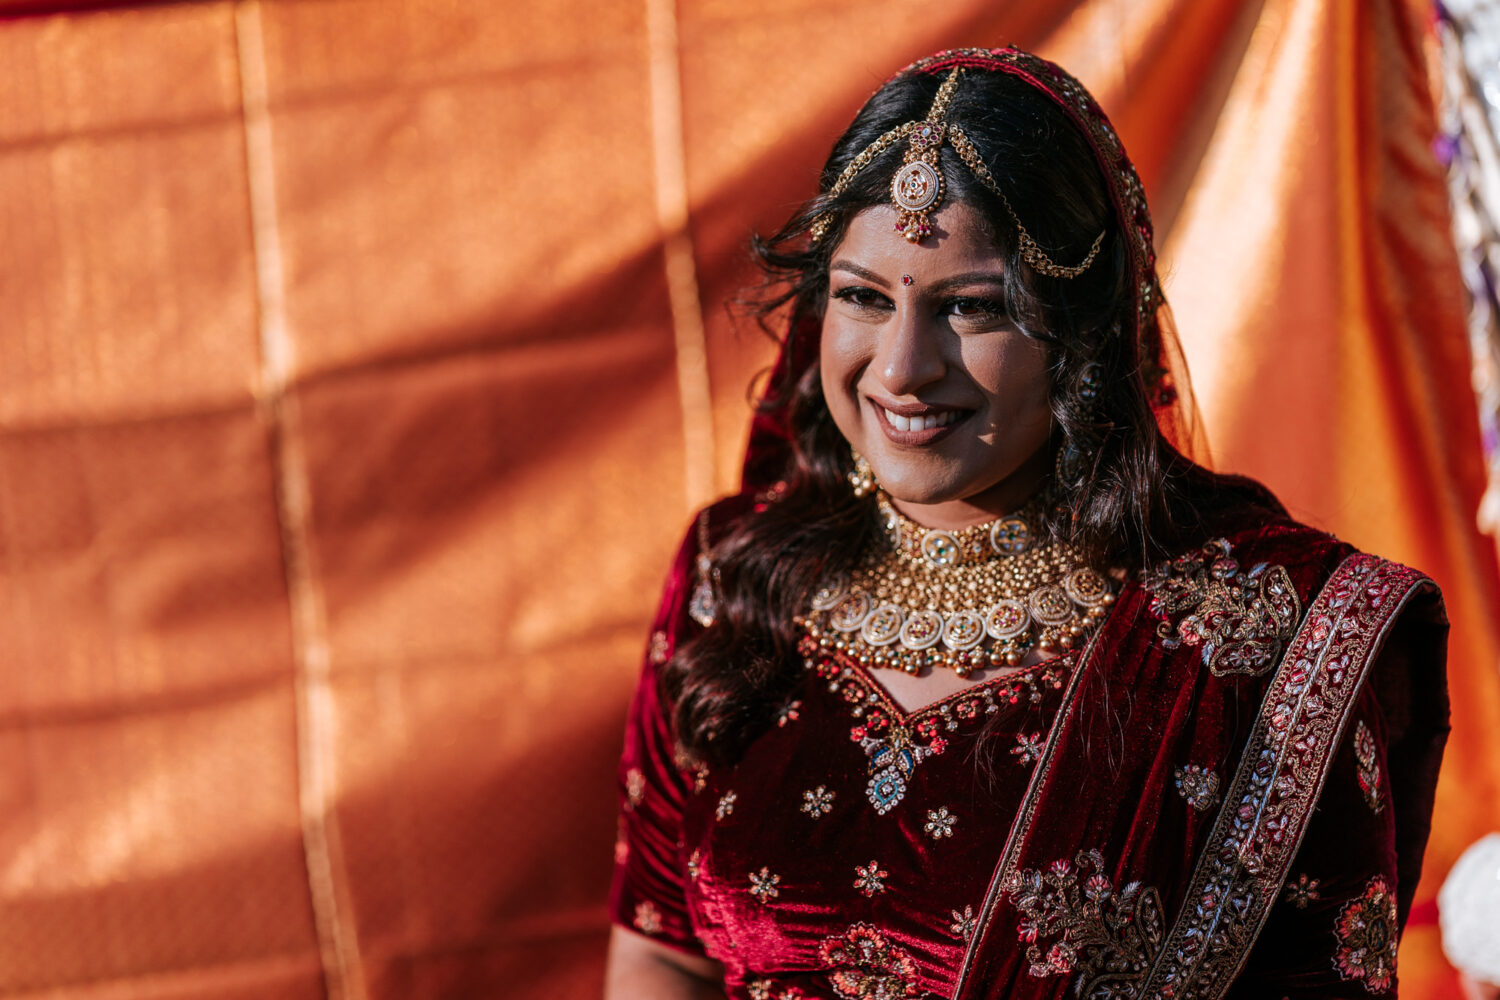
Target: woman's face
(926, 376)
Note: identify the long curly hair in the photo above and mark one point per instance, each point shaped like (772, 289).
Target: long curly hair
(1130, 501)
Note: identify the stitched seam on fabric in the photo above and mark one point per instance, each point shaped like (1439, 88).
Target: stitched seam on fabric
(1025, 813)
(337, 945)
(694, 389)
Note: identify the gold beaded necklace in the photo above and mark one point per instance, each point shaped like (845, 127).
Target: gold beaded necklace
(961, 600)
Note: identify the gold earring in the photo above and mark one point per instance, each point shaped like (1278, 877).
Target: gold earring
(862, 479)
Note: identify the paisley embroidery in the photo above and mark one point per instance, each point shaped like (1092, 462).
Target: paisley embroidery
(864, 965)
(647, 918)
(1198, 786)
(1366, 933)
(763, 885)
(1301, 892)
(1241, 618)
(940, 823)
(1369, 766)
(1075, 920)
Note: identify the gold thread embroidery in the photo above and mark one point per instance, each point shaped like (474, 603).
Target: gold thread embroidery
(1367, 937)
(1198, 786)
(1075, 920)
(864, 965)
(1369, 767)
(1241, 618)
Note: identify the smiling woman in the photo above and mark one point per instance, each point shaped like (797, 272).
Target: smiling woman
(982, 688)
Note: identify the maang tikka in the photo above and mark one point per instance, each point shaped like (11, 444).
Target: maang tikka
(917, 187)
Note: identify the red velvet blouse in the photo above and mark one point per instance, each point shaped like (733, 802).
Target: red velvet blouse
(853, 850)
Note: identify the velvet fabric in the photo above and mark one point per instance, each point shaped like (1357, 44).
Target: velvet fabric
(1231, 802)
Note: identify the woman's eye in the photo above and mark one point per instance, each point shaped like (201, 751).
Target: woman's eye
(975, 309)
(861, 297)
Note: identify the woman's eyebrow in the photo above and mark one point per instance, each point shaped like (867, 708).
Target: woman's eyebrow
(970, 278)
(858, 272)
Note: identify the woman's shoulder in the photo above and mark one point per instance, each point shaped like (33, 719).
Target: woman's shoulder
(1242, 521)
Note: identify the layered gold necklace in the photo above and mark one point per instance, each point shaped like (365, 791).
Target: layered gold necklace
(962, 600)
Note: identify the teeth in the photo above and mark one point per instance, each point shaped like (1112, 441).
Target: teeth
(925, 422)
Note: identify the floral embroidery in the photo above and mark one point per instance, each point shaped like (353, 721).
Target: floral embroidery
(695, 865)
(700, 778)
(817, 801)
(622, 843)
(1301, 892)
(660, 651)
(1252, 844)
(726, 805)
(940, 823)
(790, 711)
(896, 748)
(963, 923)
(1240, 618)
(763, 885)
(647, 918)
(635, 788)
(870, 878)
(1074, 919)
(759, 989)
(1198, 786)
(1366, 933)
(893, 758)
(1369, 766)
(1028, 748)
(866, 966)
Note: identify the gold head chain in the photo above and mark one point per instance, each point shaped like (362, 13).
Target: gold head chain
(917, 187)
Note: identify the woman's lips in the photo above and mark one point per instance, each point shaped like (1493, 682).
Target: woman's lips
(916, 425)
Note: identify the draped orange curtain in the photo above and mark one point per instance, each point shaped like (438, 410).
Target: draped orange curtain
(361, 361)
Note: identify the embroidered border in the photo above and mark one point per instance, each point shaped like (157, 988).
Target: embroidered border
(1025, 813)
(1282, 772)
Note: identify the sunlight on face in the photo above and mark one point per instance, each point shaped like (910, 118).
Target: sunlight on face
(930, 380)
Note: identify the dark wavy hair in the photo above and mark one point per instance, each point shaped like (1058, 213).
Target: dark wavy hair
(1133, 499)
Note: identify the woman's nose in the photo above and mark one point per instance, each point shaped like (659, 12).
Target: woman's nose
(909, 356)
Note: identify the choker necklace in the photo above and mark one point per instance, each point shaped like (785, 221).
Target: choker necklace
(963, 599)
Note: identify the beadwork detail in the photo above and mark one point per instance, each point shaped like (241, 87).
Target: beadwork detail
(1073, 919)
(1369, 766)
(817, 802)
(865, 965)
(870, 879)
(1302, 892)
(896, 744)
(965, 599)
(1367, 938)
(726, 805)
(940, 823)
(647, 918)
(1241, 619)
(1198, 786)
(763, 885)
(963, 923)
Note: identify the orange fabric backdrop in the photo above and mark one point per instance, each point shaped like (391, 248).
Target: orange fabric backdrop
(361, 362)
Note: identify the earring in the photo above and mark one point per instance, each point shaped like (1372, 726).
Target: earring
(1070, 456)
(862, 479)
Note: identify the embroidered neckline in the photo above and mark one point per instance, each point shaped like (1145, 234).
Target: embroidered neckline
(896, 742)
